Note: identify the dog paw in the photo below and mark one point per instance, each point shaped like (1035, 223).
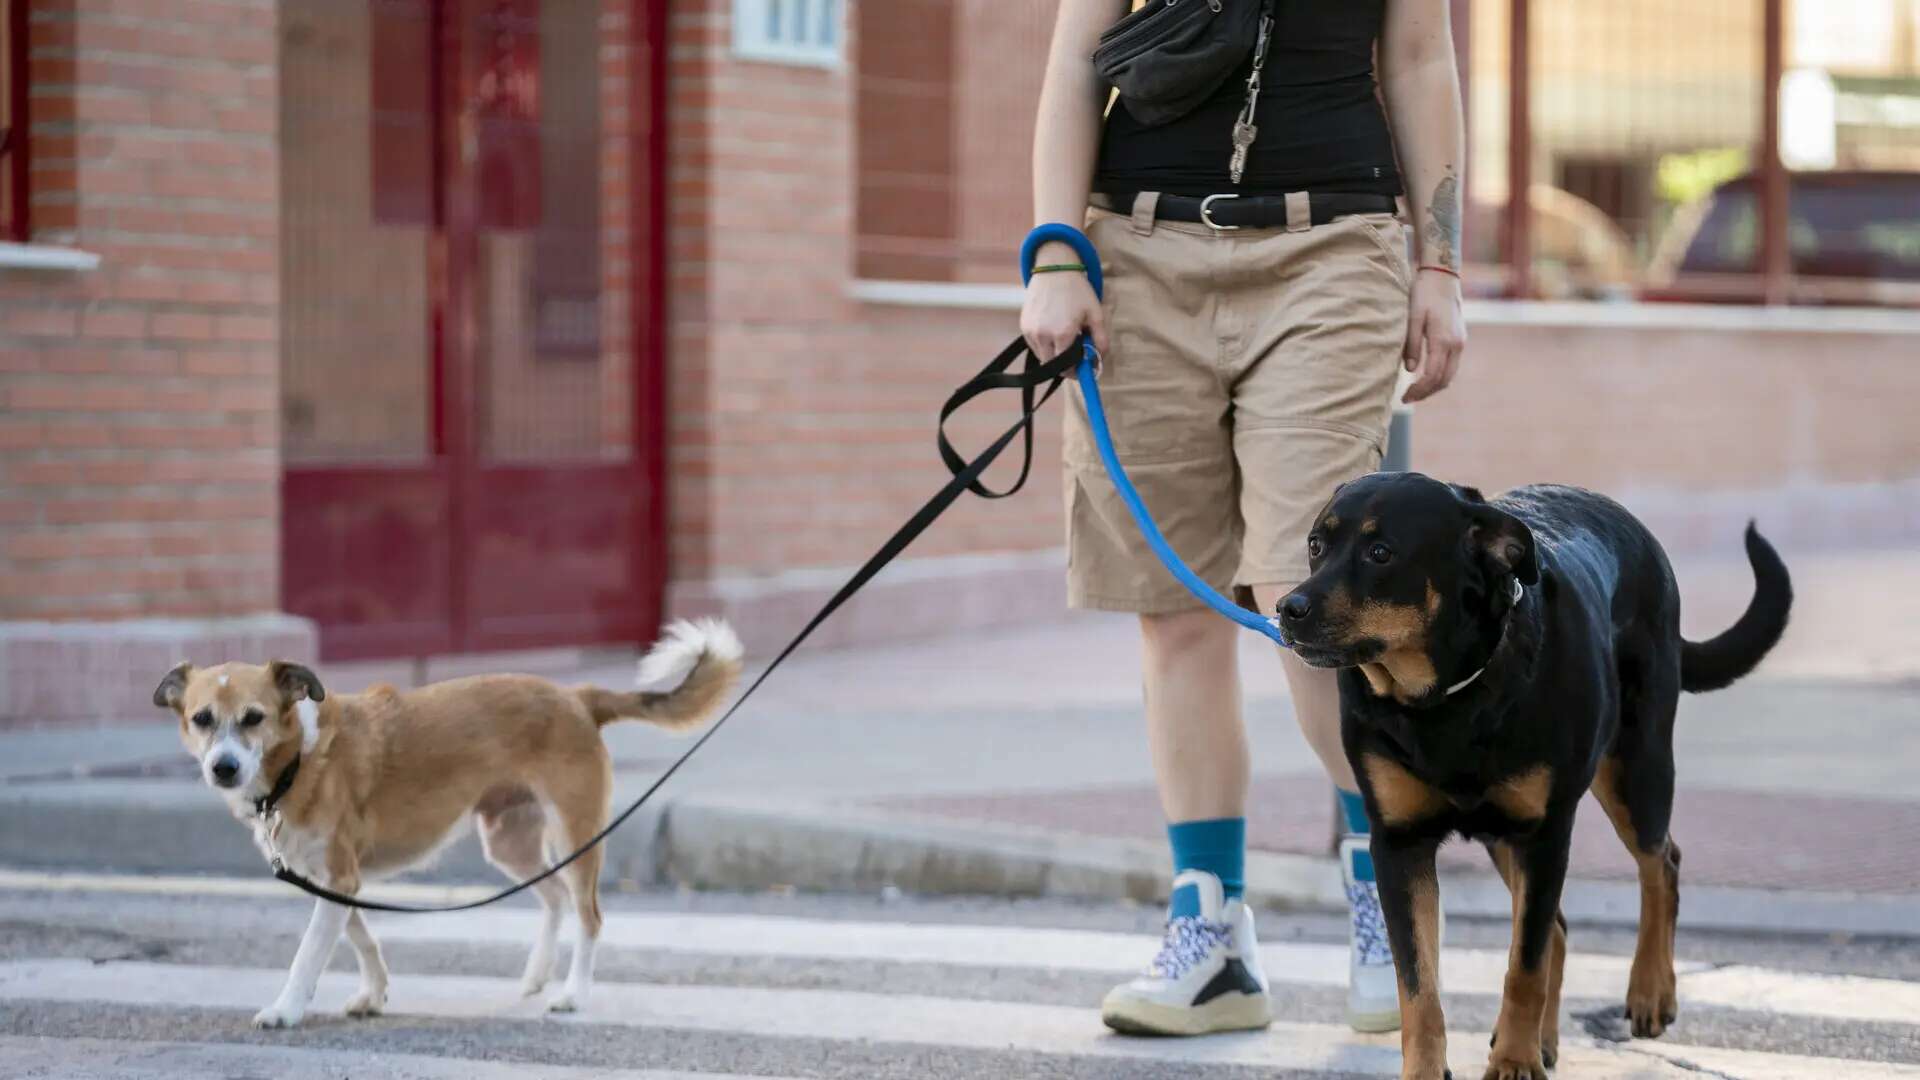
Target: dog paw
(1651, 1014)
(278, 1016)
(1550, 1052)
(562, 1002)
(368, 1003)
(531, 986)
(1511, 1068)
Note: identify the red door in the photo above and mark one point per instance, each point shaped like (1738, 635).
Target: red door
(472, 363)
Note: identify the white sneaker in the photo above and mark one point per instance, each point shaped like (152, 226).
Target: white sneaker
(1206, 978)
(1373, 997)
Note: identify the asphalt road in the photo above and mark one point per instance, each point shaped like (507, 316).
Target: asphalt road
(142, 979)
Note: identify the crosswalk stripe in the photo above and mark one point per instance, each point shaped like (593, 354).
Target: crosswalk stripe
(1471, 971)
(141, 1060)
(889, 1018)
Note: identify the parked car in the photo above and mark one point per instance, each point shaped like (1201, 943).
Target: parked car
(1578, 251)
(1853, 238)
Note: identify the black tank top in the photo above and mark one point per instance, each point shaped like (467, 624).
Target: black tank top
(1321, 125)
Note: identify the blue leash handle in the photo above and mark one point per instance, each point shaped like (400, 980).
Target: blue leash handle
(1103, 438)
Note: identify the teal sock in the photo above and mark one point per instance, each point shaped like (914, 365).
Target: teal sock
(1217, 846)
(1353, 811)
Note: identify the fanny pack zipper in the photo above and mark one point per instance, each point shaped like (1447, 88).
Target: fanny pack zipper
(1153, 17)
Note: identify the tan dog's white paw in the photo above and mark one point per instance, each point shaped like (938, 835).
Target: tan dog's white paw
(562, 1002)
(368, 1003)
(278, 1016)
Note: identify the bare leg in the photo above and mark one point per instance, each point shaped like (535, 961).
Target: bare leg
(1316, 700)
(1198, 740)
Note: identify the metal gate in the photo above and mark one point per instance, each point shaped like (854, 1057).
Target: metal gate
(471, 261)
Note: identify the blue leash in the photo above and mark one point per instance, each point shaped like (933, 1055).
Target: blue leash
(1103, 438)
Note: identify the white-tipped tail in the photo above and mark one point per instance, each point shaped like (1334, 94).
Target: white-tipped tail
(681, 646)
(685, 677)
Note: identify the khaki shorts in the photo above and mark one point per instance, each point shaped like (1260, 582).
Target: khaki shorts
(1251, 372)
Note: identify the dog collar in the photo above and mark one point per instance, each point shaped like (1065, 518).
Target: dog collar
(264, 804)
(1516, 591)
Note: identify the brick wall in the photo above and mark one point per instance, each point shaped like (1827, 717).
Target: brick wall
(803, 420)
(138, 402)
(1695, 418)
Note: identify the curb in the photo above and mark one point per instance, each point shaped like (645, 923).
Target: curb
(706, 842)
(161, 827)
(710, 842)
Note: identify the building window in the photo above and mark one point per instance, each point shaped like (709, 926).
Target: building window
(13, 120)
(945, 93)
(805, 32)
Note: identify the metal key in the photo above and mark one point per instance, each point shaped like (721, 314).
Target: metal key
(1244, 130)
(1243, 136)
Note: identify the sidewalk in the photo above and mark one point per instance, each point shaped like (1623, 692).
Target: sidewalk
(1017, 764)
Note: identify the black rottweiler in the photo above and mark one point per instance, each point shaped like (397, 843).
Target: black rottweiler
(1501, 657)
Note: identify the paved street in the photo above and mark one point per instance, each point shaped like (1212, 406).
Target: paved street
(145, 979)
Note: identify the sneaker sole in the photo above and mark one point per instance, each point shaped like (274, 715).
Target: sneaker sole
(1228, 1012)
(1374, 1023)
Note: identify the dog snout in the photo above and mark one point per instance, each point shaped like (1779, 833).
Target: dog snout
(225, 770)
(1295, 606)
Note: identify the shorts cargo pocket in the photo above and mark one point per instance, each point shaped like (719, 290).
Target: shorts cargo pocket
(1390, 237)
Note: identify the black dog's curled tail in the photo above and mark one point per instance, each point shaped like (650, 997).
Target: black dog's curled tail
(1716, 663)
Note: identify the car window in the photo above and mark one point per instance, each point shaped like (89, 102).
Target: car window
(1848, 227)
(1867, 228)
(1728, 241)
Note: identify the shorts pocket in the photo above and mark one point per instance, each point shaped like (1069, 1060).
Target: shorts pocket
(1390, 236)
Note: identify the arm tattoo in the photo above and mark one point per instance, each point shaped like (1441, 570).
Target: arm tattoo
(1443, 223)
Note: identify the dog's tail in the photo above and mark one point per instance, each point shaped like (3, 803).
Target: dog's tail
(701, 656)
(1714, 664)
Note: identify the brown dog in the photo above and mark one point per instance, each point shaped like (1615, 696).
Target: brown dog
(352, 787)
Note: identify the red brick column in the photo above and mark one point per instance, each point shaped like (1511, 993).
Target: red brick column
(139, 433)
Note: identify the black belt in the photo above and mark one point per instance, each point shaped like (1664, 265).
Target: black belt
(1226, 211)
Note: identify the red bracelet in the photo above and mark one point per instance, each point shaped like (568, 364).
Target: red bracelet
(1455, 274)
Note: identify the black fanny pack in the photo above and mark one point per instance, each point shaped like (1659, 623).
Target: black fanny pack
(1171, 55)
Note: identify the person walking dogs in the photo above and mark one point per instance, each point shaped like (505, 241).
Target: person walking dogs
(1259, 304)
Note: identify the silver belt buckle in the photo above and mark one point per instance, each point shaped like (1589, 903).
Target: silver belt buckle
(1206, 213)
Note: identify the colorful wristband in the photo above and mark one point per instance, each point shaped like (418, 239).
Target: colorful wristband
(1455, 274)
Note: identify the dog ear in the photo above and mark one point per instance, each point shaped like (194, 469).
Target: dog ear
(167, 695)
(1505, 540)
(296, 682)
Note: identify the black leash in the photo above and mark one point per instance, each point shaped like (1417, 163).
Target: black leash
(1030, 380)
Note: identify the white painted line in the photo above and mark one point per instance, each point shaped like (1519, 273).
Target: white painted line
(1465, 971)
(843, 1016)
(1838, 997)
(1470, 971)
(130, 1060)
(263, 886)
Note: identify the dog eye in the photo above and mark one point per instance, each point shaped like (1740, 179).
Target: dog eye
(203, 718)
(252, 717)
(1380, 553)
(1315, 548)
